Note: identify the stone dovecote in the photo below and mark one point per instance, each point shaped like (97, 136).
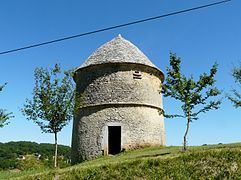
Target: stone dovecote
(120, 102)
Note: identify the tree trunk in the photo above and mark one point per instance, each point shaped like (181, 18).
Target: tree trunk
(56, 150)
(185, 135)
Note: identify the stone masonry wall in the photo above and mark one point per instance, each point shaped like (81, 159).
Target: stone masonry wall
(115, 83)
(113, 97)
(140, 126)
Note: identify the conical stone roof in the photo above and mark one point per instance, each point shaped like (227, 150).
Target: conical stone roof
(118, 50)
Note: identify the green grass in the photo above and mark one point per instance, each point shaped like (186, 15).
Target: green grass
(201, 162)
(8, 174)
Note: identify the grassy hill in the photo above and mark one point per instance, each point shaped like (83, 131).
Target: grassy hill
(205, 162)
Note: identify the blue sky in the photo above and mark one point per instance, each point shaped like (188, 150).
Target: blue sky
(200, 38)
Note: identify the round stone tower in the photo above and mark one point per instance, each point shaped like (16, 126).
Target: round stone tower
(120, 102)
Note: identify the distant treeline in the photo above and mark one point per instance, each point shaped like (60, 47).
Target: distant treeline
(13, 154)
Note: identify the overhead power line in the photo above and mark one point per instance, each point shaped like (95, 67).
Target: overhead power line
(112, 27)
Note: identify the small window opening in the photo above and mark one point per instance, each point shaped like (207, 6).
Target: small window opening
(137, 75)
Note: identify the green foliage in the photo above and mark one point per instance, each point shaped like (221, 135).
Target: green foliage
(8, 163)
(192, 94)
(236, 98)
(4, 116)
(12, 151)
(52, 104)
(30, 163)
(189, 92)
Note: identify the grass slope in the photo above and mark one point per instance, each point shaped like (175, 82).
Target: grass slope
(203, 162)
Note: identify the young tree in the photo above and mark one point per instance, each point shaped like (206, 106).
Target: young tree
(192, 94)
(4, 116)
(236, 98)
(52, 104)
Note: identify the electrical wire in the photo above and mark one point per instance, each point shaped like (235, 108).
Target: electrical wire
(112, 27)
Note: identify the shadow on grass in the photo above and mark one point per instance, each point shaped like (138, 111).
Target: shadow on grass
(155, 155)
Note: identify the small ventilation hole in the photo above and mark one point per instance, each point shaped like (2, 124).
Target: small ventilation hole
(137, 75)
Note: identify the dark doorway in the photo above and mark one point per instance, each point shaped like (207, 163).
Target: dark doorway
(114, 139)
